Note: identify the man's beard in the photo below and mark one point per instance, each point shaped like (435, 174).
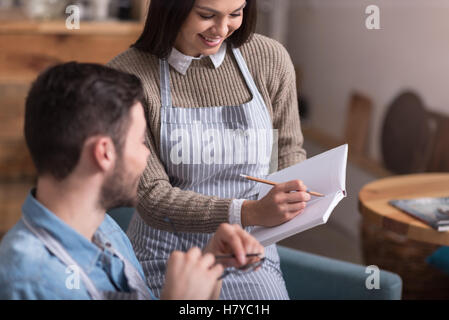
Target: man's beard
(119, 189)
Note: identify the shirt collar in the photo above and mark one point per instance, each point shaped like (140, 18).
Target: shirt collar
(83, 251)
(180, 62)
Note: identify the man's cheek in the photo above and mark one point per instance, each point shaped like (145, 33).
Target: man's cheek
(141, 163)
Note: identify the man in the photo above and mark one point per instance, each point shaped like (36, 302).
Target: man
(85, 128)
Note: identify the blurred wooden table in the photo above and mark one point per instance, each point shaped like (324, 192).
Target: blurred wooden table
(400, 243)
(374, 198)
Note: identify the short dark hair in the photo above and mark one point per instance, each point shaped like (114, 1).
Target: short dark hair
(71, 102)
(166, 17)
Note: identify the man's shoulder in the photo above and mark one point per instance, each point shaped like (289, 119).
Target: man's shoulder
(27, 269)
(20, 247)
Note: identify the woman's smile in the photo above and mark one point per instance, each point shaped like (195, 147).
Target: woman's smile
(210, 42)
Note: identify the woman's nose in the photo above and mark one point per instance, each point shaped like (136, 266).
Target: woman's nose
(221, 28)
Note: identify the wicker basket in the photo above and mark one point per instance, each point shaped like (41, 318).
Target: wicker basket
(407, 258)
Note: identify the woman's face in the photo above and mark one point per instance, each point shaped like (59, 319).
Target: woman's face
(209, 24)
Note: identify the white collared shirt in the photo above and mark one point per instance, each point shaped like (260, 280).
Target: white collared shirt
(180, 62)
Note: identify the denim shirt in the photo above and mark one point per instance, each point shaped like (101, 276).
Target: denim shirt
(29, 271)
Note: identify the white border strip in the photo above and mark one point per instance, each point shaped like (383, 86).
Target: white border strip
(315, 4)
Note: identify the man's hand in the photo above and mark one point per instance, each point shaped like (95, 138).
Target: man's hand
(233, 240)
(191, 276)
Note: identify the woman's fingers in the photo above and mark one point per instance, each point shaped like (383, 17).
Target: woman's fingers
(300, 196)
(291, 192)
(295, 207)
(294, 185)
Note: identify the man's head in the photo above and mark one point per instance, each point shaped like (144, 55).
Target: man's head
(87, 120)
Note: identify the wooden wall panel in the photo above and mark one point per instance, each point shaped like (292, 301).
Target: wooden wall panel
(358, 120)
(23, 57)
(28, 48)
(12, 196)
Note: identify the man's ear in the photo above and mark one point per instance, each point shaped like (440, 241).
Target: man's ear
(104, 153)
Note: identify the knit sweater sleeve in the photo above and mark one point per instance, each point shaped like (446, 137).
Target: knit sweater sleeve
(158, 199)
(286, 111)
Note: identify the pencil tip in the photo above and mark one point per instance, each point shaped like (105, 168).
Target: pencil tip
(243, 175)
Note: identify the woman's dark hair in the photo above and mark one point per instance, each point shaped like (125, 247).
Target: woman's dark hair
(166, 17)
(71, 102)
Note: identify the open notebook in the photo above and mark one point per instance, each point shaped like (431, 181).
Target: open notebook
(324, 173)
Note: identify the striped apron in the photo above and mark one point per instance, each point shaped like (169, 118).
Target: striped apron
(205, 150)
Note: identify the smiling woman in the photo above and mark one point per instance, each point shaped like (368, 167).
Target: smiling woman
(217, 20)
(206, 28)
(220, 101)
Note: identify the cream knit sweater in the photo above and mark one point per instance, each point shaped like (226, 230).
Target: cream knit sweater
(204, 86)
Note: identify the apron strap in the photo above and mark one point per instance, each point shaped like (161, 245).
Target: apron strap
(251, 84)
(247, 75)
(55, 248)
(165, 84)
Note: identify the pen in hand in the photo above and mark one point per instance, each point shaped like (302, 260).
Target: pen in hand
(313, 193)
(229, 256)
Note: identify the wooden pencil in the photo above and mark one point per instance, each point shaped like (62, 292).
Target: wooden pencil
(313, 193)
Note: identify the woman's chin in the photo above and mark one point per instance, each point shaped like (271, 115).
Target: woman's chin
(209, 51)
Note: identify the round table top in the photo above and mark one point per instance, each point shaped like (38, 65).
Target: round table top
(374, 206)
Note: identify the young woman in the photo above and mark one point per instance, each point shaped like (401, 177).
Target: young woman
(220, 100)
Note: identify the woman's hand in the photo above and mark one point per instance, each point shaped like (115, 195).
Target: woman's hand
(191, 276)
(284, 202)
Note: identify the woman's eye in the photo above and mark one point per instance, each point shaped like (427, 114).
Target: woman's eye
(234, 15)
(206, 17)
